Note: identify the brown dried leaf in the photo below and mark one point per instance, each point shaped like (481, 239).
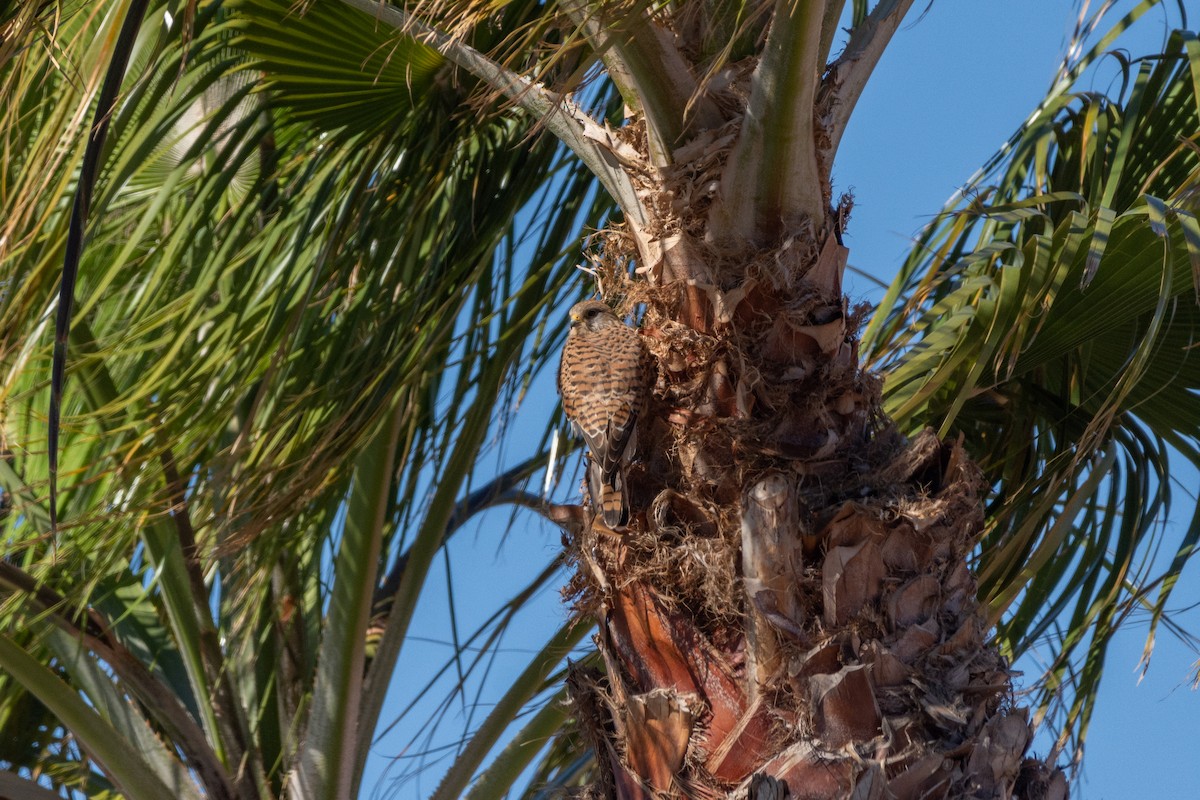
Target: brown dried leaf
(965, 639)
(920, 463)
(914, 602)
(852, 577)
(820, 660)
(960, 590)
(926, 778)
(1038, 781)
(852, 524)
(656, 727)
(916, 641)
(645, 643)
(948, 716)
(830, 266)
(745, 747)
(886, 669)
(805, 345)
(905, 551)
(663, 649)
(845, 706)
(808, 776)
(871, 784)
(996, 758)
(725, 303)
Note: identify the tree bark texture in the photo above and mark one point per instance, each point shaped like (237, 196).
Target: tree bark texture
(790, 611)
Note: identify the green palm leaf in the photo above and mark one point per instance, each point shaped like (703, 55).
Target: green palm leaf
(1052, 321)
(322, 262)
(274, 267)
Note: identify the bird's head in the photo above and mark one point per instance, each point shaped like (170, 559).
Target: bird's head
(592, 315)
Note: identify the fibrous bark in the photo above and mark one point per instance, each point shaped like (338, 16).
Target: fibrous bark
(789, 611)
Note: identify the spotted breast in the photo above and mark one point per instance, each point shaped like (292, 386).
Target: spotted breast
(604, 379)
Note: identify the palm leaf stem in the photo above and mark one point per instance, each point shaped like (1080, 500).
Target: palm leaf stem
(773, 183)
(335, 735)
(503, 771)
(96, 633)
(122, 50)
(567, 121)
(112, 751)
(649, 71)
(848, 75)
(524, 687)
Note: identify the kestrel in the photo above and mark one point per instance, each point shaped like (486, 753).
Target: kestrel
(604, 380)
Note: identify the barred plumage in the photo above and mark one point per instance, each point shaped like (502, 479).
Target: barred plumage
(604, 380)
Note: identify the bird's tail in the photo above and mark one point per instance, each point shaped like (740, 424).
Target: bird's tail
(608, 495)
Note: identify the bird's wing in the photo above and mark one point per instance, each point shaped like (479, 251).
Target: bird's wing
(602, 383)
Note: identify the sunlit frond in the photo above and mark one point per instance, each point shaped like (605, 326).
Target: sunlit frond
(1051, 318)
(290, 245)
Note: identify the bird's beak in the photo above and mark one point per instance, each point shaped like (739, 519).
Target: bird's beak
(574, 317)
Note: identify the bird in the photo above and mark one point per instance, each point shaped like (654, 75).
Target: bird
(604, 380)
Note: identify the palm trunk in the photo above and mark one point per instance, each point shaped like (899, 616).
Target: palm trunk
(791, 604)
(790, 607)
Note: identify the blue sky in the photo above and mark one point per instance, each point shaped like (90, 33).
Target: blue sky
(948, 92)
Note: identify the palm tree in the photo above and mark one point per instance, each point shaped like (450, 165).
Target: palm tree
(306, 296)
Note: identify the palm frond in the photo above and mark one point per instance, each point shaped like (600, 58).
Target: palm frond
(1051, 320)
(274, 267)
